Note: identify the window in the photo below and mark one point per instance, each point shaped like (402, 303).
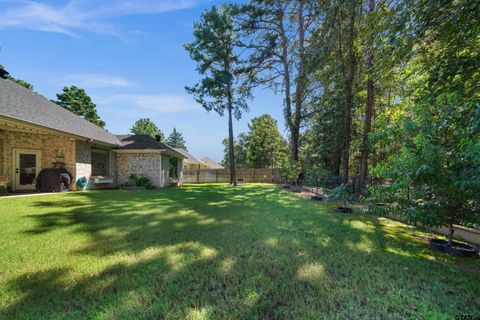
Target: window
(173, 167)
(100, 161)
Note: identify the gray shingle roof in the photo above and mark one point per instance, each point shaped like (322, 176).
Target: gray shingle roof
(211, 164)
(142, 142)
(189, 158)
(17, 102)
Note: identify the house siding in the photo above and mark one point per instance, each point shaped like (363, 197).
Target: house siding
(2, 172)
(84, 162)
(146, 164)
(180, 170)
(51, 147)
(165, 173)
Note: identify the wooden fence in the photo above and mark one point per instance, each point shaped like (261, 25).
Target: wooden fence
(223, 175)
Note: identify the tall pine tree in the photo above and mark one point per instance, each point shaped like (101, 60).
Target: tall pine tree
(175, 140)
(222, 88)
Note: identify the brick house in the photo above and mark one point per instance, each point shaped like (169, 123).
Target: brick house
(35, 133)
(190, 162)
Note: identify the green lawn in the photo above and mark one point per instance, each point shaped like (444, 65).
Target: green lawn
(217, 252)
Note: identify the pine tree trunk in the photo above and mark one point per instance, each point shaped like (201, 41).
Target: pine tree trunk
(368, 111)
(233, 179)
(300, 85)
(349, 82)
(288, 97)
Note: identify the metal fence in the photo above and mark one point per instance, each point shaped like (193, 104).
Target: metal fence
(330, 182)
(223, 175)
(269, 176)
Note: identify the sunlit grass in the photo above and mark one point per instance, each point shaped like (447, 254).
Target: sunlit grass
(217, 252)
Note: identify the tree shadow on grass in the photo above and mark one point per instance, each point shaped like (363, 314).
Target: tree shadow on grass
(220, 252)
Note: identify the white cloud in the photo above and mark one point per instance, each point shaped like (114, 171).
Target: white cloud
(98, 80)
(77, 15)
(159, 103)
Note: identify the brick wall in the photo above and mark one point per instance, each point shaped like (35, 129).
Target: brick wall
(53, 148)
(83, 165)
(147, 164)
(2, 172)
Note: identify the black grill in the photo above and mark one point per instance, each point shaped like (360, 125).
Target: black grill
(53, 180)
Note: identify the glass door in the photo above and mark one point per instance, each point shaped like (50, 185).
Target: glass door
(27, 167)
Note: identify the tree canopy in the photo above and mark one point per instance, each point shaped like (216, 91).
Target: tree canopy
(222, 87)
(146, 126)
(76, 100)
(261, 147)
(175, 140)
(372, 90)
(19, 81)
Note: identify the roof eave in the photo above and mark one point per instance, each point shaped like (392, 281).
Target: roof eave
(36, 128)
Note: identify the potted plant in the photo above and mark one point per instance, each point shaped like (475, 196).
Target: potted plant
(436, 173)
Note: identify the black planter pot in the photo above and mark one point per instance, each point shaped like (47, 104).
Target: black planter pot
(317, 198)
(344, 210)
(458, 249)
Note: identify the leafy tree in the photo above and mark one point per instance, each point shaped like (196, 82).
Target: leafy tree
(19, 81)
(261, 147)
(266, 146)
(240, 149)
(276, 35)
(354, 57)
(147, 127)
(175, 140)
(76, 100)
(432, 134)
(222, 87)
(436, 174)
(23, 83)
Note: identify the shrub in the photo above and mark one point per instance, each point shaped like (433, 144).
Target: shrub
(137, 181)
(436, 173)
(292, 171)
(341, 193)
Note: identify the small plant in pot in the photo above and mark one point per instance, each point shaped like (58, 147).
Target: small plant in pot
(436, 173)
(343, 196)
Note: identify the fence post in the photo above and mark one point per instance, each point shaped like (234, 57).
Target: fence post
(216, 176)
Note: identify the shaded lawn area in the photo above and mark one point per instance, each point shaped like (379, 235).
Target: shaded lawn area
(217, 252)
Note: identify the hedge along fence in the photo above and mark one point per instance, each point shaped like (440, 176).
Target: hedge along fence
(330, 182)
(223, 175)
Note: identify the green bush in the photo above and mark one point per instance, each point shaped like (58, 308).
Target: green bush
(435, 176)
(341, 193)
(292, 171)
(137, 181)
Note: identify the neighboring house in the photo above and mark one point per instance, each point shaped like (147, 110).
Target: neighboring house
(212, 164)
(190, 162)
(35, 133)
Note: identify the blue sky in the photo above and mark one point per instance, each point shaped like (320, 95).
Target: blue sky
(128, 55)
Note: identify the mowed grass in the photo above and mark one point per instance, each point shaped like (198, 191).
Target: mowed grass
(217, 252)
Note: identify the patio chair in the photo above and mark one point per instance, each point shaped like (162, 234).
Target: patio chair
(3, 185)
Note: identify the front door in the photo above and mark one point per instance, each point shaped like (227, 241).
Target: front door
(27, 165)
